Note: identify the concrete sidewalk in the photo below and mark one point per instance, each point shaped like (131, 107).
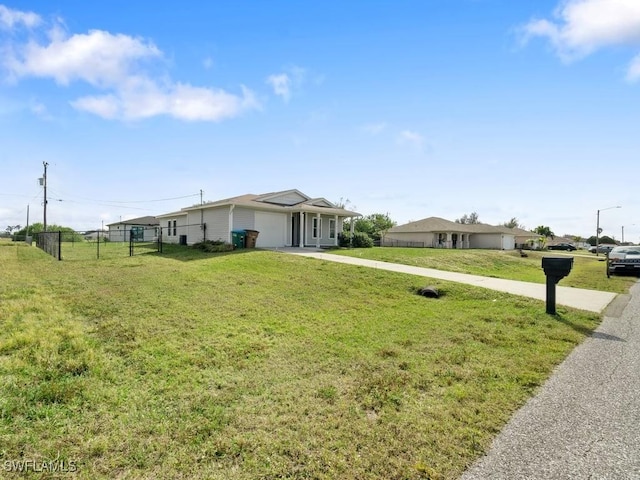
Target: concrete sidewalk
(590, 300)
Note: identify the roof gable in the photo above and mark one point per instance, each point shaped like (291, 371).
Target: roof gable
(288, 197)
(320, 202)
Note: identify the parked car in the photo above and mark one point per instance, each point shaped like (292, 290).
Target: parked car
(562, 246)
(624, 259)
(602, 248)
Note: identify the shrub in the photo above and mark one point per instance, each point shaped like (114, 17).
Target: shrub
(359, 240)
(213, 246)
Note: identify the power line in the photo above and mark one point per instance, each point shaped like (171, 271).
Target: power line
(127, 201)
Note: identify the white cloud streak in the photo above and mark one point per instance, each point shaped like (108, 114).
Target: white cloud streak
(285, 83)
(10, 19)
(281, 84)
(581, 27)
(117, 65)
(408, 137)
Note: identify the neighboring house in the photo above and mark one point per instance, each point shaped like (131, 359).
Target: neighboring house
(437, 232)
(559, 240)
(283, 219)
(94, 235)
(528, 240)
(142, 229)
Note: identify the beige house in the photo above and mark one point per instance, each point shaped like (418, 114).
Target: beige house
(282, 219)
(435, 232)
(528, 240)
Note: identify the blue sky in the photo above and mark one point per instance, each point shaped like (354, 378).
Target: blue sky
(524, 109)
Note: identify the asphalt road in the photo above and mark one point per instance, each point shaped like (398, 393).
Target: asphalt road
(585, 421)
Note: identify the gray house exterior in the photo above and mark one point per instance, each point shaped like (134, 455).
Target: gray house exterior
(143, 229)
(283, 219)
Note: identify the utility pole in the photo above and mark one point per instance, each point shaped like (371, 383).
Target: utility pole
(26, 233)
(45, 195)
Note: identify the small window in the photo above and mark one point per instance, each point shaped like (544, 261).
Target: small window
(175, 230)
(169, 228)
(316, 227)
(332, 228)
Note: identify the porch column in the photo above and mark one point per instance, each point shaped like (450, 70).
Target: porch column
(319, 232)
(303, 227)
(335, 230)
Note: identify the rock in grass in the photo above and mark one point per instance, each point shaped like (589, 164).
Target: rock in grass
(430, 291)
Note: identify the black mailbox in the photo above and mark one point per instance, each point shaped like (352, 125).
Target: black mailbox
(555, 268)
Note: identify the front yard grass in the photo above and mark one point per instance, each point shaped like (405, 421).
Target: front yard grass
(258, 364)
(588, 270)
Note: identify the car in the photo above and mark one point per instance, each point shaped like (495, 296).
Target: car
(602, 248)
(562, 246)
(624, 259)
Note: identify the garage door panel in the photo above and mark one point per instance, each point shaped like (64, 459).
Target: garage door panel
(272, 228)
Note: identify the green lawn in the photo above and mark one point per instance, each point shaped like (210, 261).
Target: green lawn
(259, 365)
(588, 270)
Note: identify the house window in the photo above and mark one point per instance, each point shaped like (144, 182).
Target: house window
(316, 227)
(175, 230)
(332, 228)
(169, 228)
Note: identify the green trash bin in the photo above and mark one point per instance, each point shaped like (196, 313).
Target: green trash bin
(238, 238)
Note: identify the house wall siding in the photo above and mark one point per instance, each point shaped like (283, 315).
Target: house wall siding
(415, 237)
(494, 241)
(217, 220)
(243, 218)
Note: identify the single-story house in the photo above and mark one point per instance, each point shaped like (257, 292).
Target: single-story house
(282, 219)
(437, 232)
(528, 240)
(142, 229)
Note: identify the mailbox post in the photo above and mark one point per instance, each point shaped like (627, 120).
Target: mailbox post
(555, 268)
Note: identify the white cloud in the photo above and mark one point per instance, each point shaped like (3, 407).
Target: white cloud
(98, 58)
(12, 18)
(281, 84)
(285, 83)
(633, 72)
(581, 27)
(408, 137)
(181, 101)
(117, 67)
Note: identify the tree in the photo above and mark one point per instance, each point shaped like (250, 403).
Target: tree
(470, 219)
(374, 225)
(344, 203)
(513, 223)
(544, 231)
(592, 240)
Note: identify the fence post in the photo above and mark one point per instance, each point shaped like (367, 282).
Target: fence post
(59, 245)
(131, 242)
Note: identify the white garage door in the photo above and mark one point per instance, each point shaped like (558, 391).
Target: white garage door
(272, 228)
